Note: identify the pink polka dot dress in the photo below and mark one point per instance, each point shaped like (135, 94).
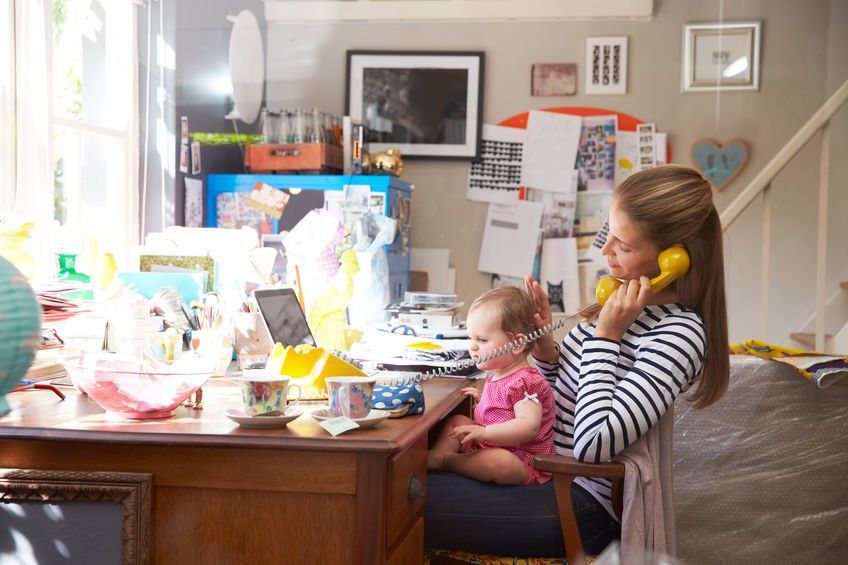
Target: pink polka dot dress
(496, 406)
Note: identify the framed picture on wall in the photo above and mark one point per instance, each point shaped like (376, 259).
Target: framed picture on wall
(606, 65)
(722, 56)
(427, 104)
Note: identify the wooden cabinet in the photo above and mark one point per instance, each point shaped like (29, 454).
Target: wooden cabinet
(225, 494)
(407, 488)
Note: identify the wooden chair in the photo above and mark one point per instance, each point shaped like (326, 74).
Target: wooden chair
(565, 470)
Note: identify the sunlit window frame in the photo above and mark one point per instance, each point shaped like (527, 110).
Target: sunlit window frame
(128, 137)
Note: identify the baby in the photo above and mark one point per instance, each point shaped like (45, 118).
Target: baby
(513, 419)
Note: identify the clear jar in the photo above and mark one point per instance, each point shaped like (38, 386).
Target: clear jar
(315, 133)
(285, 133)
(264, 126)
(327, 127)
(299, 127)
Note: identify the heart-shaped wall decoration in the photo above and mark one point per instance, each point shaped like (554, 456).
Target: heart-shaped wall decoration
(720, 163)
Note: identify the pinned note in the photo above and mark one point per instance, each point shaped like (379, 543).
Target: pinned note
(550, 151)
(510, 238)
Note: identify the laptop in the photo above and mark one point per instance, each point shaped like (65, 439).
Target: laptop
(283, 316)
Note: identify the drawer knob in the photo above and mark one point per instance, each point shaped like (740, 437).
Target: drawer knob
(416, 489)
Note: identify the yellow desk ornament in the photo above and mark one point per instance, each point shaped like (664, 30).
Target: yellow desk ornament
(12, 239)
(308, 366)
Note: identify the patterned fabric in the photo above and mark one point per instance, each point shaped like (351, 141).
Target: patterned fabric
(312, 243)
(400, 400)
(497, 405)
(820, 369)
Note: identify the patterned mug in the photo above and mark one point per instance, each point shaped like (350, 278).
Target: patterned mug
(262, 393)
(350, 396)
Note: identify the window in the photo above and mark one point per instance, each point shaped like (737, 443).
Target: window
(89, 62)
(94, 123)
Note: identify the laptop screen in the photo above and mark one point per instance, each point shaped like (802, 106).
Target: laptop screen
(283, 316)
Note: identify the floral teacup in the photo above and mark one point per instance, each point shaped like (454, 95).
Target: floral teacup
(262, 393)
(350, 396)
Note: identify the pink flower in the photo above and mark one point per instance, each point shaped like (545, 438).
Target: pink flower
(263, 391)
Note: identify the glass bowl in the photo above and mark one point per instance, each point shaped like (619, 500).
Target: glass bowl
(129, 387)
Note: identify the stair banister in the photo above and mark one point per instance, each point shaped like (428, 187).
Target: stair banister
(821, 254)
(761, 183)
(779, 161)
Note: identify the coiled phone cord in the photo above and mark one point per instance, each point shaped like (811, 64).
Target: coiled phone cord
(466, 363)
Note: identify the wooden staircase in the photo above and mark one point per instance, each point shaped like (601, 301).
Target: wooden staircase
(760, 188)
(807, 340)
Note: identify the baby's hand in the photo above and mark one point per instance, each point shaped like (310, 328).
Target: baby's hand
(470, 432)
(472, 392)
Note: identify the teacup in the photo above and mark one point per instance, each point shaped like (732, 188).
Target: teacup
(350, 396)
(262, 393)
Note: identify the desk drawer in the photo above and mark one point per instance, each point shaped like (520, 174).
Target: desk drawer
(407, 489)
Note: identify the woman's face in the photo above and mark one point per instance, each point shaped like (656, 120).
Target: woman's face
(629, 255)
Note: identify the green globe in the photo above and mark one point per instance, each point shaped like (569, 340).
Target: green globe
(20, 329)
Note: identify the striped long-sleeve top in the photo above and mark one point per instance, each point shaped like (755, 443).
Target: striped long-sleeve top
(609, 393)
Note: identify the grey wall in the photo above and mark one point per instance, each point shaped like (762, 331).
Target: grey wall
(156, 79)
(802, 62)
(197, 34)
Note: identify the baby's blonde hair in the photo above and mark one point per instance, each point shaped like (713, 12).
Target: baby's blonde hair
(515, 309)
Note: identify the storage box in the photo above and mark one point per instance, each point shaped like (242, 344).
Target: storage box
(301, 157)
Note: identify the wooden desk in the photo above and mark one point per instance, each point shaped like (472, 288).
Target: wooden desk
(225, 494)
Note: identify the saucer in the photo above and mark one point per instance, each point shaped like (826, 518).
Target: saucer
(239, 416)
(372, 419)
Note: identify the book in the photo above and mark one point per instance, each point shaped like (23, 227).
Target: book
(44, 368)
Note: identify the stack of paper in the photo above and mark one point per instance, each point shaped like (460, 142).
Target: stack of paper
(55, 308)
(44, 368)
(421, 310)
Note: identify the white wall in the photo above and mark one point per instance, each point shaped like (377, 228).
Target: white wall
(306, 66)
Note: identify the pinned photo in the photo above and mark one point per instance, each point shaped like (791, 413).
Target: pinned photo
(195, 158)
(184, 158)
(184, 129)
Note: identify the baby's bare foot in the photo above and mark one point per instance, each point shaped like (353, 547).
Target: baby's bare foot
(435, 461)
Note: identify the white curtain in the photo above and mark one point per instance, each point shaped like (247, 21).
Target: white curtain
(7, 106)
(33, 198)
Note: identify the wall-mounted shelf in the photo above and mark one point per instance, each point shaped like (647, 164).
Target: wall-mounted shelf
(455, 10)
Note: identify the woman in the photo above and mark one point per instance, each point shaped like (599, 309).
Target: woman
(617, 372)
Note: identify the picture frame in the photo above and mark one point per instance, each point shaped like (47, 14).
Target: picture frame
(427, 104)
(721, 57)
(606, 65)
(133, 492)
(553, 79)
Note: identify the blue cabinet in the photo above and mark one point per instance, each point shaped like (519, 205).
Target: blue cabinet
(389, 195)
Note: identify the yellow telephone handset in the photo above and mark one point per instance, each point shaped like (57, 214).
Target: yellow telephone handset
(674, 263)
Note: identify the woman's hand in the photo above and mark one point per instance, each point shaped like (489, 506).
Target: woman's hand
(468, 432)
(472, 392)
(622, 309)
(545, 347)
